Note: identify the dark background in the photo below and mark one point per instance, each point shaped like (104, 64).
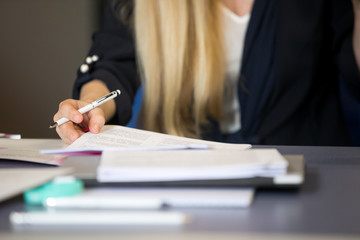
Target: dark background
(42, 44)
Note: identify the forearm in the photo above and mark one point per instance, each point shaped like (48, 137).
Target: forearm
(356, 35)
(94, 90)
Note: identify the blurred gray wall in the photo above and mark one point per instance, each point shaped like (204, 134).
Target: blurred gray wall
(42, 43)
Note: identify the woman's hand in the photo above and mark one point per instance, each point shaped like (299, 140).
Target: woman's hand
(91, 121)
(79, 123)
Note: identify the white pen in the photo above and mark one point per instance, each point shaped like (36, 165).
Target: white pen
(98, 218)
(88, 107)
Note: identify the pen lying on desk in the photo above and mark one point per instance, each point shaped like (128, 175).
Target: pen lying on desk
(88, 107)
(81, 218)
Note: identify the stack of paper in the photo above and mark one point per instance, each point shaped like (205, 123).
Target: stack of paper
(149, 166)
(172, 158)
(152, 160)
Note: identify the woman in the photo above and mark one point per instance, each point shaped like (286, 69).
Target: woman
(263, 72)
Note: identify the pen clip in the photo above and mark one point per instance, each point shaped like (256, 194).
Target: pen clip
(110, 95)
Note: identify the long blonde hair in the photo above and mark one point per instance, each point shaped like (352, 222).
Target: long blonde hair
(181, 56)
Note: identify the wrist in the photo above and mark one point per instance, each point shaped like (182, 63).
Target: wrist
(94, 90)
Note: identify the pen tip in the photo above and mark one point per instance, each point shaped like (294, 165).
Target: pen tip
(53, 125)
(118, 92)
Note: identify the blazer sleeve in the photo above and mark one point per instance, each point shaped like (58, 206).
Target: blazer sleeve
(343, 24)
(116, 64)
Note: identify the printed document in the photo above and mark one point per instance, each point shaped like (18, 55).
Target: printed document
(117, 137)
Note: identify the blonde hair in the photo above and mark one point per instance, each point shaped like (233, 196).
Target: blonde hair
(181, 56)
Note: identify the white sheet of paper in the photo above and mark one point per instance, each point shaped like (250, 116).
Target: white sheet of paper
(29, 150)
(172, 197)
(14, 181)
(114, 137)
(140, 166)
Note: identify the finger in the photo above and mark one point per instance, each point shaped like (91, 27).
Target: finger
(69, 109)
(96, 120)
(69, 132)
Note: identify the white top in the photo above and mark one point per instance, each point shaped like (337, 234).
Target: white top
(234, 32)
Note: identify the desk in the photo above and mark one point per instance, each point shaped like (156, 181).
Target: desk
(327, 204)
